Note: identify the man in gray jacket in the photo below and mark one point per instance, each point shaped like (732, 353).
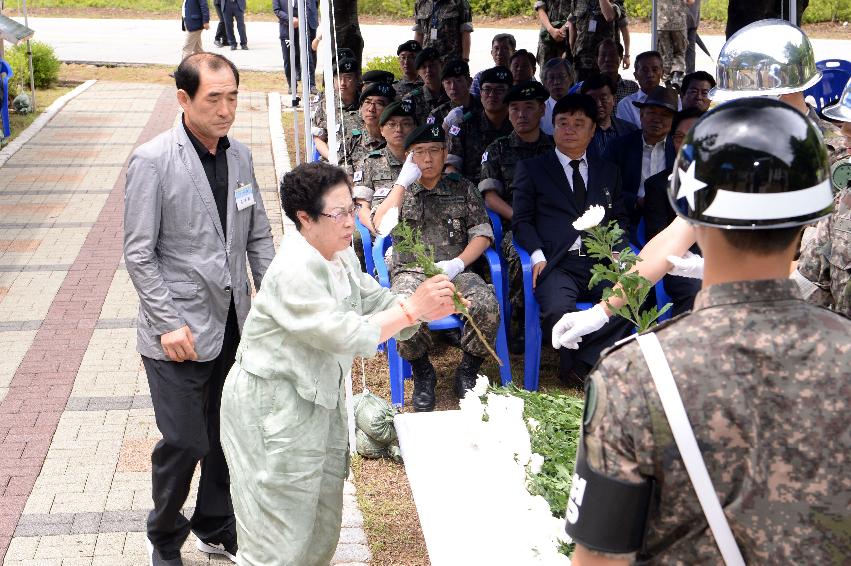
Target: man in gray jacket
(192, 215)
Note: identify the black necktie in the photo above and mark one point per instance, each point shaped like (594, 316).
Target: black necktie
(578, 185)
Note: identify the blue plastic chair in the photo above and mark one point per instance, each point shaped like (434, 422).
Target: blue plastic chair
(4, 111)
(662, 297)
(829, 89)
(315, 156)
(496, 223)
(840, 64)
(399, 367)
(366, 245)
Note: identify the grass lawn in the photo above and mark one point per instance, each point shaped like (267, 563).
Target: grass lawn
(44, 98)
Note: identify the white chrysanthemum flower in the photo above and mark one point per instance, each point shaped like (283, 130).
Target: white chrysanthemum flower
(481, 387)
(536, 462)
(592, 217)
(533, 424)
(390, 220)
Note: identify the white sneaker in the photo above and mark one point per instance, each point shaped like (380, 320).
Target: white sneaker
(215, 549)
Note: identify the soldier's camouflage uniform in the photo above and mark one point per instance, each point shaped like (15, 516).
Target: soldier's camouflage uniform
(452, 17)
(498, 164)
(403, 86)
(585, 47)
(557, 11)
(448, 216)
(351, 122)
(672, 36)
(826, 257)
(375, 177)
(359, 144)
(468, 141)
(429, 108)
(766, 383)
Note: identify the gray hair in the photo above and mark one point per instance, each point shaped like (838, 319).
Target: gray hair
(555, 64)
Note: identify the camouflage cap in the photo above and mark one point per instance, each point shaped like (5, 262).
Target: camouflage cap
(426, 133)
(398, 108)
(378, 76)
(497, 74)
(426, 55)
(378, 89)
(455, 68)
(528, 90)
(411, 45)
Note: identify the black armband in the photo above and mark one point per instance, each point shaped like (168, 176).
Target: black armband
(606, 514)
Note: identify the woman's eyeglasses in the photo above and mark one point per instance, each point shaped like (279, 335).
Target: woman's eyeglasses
(338, 217)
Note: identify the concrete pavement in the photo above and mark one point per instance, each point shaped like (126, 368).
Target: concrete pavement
(76, 423)
(159, 42)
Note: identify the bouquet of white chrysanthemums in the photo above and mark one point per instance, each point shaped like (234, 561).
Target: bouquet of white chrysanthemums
(500, 435)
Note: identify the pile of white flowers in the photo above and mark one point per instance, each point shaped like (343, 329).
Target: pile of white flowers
(499, 435)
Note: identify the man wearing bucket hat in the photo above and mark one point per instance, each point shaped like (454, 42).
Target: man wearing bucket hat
(692, 458)
(824, 268)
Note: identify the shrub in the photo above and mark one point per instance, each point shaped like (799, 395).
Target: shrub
(395, 8)
(45, 66)
(388, 63)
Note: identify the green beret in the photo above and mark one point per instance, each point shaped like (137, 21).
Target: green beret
(426, 55)
(378, 89)
(411, 45)
(398, 108)
(456, 68)
(378, 76)
(527, 90)
(426, 133)
(498, 74)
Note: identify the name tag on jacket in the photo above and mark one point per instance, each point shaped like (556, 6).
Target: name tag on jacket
(244, 196)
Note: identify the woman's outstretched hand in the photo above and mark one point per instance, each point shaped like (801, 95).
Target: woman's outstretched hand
(433, 298)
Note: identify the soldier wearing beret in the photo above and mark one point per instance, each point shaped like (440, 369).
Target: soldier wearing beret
(374, 178)
(407, 54)
(361, 141)
(468, 141)
(456, 83)
(449, 213)
(445, 25)
(347, 84)
(526, 106)
(430, 96)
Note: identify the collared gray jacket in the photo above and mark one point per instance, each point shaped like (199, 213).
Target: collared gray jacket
(184, 268)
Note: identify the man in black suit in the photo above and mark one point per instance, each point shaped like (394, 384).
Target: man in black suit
(281, 9)
(645, 152)
(658, 213)
(235, 9)
(551, 191)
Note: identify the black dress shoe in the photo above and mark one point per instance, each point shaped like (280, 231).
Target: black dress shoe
(424, 382)
(244, 48)
(219, 43)
(466, 374)
(233, 47)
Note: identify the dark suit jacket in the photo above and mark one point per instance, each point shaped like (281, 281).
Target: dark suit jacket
(626, 152)
(231, 4)
(658, 212)
(281, 7)
(197, 14)
(544, 207)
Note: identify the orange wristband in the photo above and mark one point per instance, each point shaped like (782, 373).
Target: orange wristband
(411, 320)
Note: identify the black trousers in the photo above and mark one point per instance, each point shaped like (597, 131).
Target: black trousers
(232, 11)
(221, 34)
(558, 291)
(187, 398)
(311, 57)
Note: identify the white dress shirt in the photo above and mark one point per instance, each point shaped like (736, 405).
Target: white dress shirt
(547, 120)
(652, 162)
(627, 110)
(538, 255)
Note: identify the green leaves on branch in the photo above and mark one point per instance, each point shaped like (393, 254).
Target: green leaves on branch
(406, 240)
(604, 243)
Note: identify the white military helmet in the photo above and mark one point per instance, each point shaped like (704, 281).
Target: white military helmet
(765, 58)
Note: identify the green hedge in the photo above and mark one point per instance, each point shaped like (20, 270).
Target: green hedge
(45, 66)
(818, 10)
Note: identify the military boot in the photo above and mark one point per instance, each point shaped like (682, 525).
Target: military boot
(424, 381)
(467, 373)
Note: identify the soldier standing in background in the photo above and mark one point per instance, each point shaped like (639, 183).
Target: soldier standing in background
(445, 25)
(749, 399)
(672, 37)
(691, 33)
(552, 39)
(469, 139)
(593, 21)
(410, 80)
(429, 98)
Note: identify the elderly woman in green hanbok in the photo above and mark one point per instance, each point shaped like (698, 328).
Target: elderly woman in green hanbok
(284, 429)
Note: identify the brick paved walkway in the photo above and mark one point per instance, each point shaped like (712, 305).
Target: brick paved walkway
(76, 424)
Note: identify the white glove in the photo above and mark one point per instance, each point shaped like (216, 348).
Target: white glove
(568, 332)
(409, 173)
(451, 267)
(690, 265)
(389, 221)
